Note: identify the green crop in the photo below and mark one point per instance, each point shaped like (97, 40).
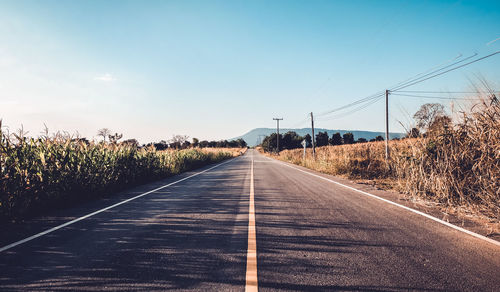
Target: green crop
(36, 174)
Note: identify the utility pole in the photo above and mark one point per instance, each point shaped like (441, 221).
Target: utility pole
(313, 143)
(387, 125)
(278, 133)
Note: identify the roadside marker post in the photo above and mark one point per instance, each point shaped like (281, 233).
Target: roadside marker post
(304, 143)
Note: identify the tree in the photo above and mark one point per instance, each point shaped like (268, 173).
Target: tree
(222, 144)
(104, 133)
(308, 139)
(379, 138)
(348, 138)
(114, 138)
(162, 145)
(179, 138)
(177, 141)
(241, 143)
(336, 139)
(291, 140)
(196, 142)
(322, 139)
(427, 114)
(269, 142)
(361, 140)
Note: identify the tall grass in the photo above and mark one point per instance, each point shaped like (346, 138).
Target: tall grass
(36, 174)
(458, 165)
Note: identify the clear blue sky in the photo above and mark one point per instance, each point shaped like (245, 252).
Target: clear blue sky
(216, 69)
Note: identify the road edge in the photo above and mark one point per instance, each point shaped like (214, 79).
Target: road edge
(428, 216)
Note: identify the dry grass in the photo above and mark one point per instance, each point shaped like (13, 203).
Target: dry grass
(456, 166)
(233, 151)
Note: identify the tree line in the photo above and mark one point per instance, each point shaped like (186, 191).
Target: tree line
(196, 143)
(430, 118)
(176, 142)
(291, 140)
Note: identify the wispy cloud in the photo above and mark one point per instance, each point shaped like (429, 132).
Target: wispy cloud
(105, 77)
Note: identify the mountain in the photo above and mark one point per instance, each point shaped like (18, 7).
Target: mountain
(252, 137)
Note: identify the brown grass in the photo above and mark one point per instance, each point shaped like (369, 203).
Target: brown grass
(456, 166)
(233, 151)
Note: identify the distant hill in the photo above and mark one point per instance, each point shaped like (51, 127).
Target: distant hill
(252, 138)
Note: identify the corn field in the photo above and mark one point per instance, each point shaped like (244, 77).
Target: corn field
(39, 174)
(457, 166)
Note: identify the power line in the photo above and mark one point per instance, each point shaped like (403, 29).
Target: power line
(366, 99)
(434, 97)
(353, 110)
(451, 92)
(444, 72)
(415, 78)
(301, 122)
(411, 81)
(403, 84)
(427, 71)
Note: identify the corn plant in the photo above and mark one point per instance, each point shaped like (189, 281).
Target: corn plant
(39, 174)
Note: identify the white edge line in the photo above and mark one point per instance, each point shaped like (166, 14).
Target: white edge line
(497, 243)
(4, 248)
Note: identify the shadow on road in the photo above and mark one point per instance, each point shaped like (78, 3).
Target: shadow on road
(308, 243)
(189, 236)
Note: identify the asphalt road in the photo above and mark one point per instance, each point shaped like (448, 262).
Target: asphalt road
(310, 235)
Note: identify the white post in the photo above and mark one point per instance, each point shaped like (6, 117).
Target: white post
(304, 143)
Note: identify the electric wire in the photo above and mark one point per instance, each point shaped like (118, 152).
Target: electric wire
(300, 123)
(434, 97)
(351, 111)
(412, 81)
(450, 92)
(444, 72)
(395, 89)
(366, 99)
(403, 83)
(430, 69)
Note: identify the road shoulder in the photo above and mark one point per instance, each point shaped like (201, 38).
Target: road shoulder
(477, 225)
(14, 231)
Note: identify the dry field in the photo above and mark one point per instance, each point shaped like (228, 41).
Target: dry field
(233, 151)
(457, 166)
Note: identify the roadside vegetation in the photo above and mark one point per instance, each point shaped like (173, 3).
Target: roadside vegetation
(454, 163)
(291, 140)
(57, 170)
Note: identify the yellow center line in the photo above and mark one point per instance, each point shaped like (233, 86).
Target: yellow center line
(251, 278)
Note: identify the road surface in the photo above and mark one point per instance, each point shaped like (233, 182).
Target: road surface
(306, 233)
